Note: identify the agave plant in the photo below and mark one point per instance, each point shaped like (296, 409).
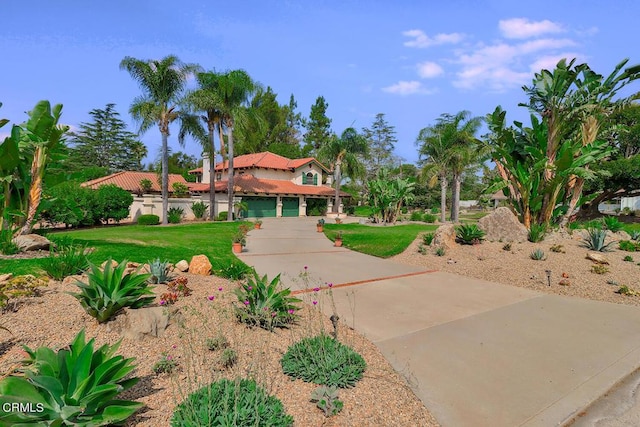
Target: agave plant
(469, 234)
(612, 223)
(595, 239)
(264, 304)
(635, 235)
(160, 271)
(74, 386)
(110, 290)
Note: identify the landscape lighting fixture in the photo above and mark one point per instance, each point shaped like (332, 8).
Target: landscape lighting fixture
(548, 276)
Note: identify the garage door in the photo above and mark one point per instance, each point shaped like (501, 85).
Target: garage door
(260, 207)
(290, 206)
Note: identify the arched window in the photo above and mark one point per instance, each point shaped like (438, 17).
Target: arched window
(309, 178)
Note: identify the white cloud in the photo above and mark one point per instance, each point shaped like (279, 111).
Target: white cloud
(428, 70)
(549, 62)
(421, 40)
(522, 28)
(407, 88)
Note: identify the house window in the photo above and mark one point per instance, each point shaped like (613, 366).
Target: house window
(308, 178)
(315, 179)
(219, 176)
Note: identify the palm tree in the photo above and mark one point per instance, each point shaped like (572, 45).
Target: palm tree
(450, 145)
(234, 89)
(344, 154)
(206, 100)
(162, 83)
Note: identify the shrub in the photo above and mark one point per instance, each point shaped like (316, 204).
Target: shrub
(70, 204)
(537, 232)
(7, 246)
(148, 219)
(625, 290)
(240, 237)
(233, 271)
(146, 185)
(76, 385)
(430, 218)
(226, 402)
(506, 246)
(222, 216)
(629, 246)
(599, 269)
(165, 365)
(628, 258)
(469, 234)
(199, 209)
(325, 361)
(440, 251)
(537, 255)
(160, 271)
(422, 249)
(595, 239)
(326, 399)
(19, 287)
(228, 358)
(416, 216)
(174, 215)
(110, 290)
(612, 223)
(180, 190)
(218, 342)
(65, 261)
(112, 203)
(262, 304)
(557, 249)
(427, 238)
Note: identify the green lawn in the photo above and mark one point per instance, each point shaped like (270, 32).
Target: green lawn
(364, 211)
(141, 243)
(379, 241)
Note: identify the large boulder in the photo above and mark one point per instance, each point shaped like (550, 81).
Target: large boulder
(502, 224)
(32, 242)
(147, 321)
(200, 264)
(445, 236)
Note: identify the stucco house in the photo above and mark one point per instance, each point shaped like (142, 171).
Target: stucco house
(270, 185)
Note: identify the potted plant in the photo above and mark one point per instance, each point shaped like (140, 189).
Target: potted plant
(257, 224)
(239, 240)
(338, 220)
(320, 225)
(338, 240)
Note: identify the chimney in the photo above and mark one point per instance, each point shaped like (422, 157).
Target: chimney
(205, 168)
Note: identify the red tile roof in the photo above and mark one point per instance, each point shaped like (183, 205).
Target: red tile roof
(266, 160)
(250, 184)
(130, 180)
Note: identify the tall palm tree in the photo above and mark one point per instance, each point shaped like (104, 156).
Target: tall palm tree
(206, 99)
(450, 146)
(344, 154)
(162, 83)
(234, 90)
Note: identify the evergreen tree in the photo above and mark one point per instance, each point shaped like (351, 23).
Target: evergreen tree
(381, 138)
(106, 143)
(318, 127)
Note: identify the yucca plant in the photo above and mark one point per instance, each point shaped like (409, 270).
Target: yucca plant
(595, 239)
(75, 386)
(469, 234)
(427, 238)
(264, 304)
(612, 224)
(110, 290)
(160, 271)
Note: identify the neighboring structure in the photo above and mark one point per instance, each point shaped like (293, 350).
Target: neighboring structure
(270, 185)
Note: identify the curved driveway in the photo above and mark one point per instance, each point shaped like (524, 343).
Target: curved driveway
(478, 353)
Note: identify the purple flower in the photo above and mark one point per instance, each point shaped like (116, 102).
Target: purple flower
(162, 302)
(250, 288)
(220, 288)
(316, 289)
(291, 311)
(273, 314)
(315, 302)
(246, 302)
(173, 346)
(331, 285)
(305, 267)
(211, 297)
(169, 357)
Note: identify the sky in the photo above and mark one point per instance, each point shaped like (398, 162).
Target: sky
(411, 60)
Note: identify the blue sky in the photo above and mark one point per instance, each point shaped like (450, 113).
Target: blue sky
(411, 60)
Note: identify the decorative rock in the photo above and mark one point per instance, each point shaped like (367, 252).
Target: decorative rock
(182, 265)
(200, 265)
(621, 235)
(136, 323)
(114, 264)
(5, 277)
(32, 242)
(502, 224)
(445, 236)
(595, 257)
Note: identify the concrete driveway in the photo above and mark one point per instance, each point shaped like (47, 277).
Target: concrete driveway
(477, 353)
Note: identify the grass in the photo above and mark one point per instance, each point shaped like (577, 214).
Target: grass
(472, 216)
(378, 241)
(139, 243)
(577, 225)
(365, 211)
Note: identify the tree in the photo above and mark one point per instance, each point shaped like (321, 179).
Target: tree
(105, 142)
(544, 167)
(162, 83)
(381, 138)
(344, 154)
(178, 163)
(387, 195)
(318, 127)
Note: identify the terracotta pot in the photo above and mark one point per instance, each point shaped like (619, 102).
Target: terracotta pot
(257, 226)
(237, 248)
(337, 242)
(320, 228)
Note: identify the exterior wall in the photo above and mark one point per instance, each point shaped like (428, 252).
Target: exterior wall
(315, 169)
(152, 204)
(280, 175)
(632, 203)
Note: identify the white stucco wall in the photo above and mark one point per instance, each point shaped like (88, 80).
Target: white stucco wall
(152, 204)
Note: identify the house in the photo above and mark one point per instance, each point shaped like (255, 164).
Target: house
(130, 181)
(269, 184)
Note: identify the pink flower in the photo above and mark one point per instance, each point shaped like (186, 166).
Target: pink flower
(162, 302)
(173, 346)
(220, 288)
(305, 267)
(169, 358)
(273, 314)
(250, 288)
(211, 297)
(331, 285)
(291, 311)
(315, 302)
(316, 289)
(246, 302)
